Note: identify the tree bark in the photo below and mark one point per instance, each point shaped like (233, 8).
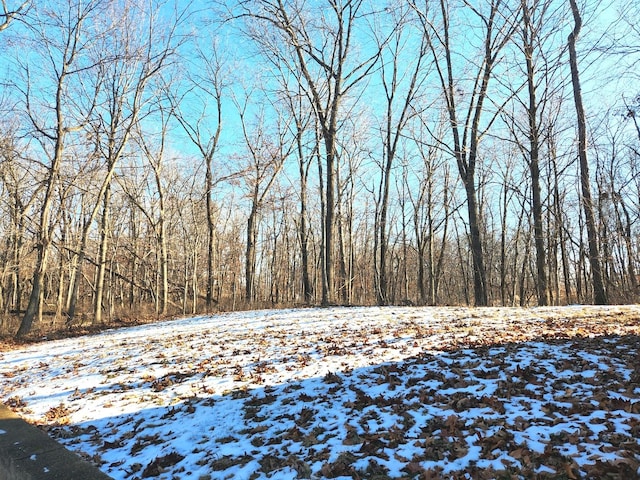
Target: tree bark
(467, 133)
(102, 257)
(44, 227)
(250, 255)
(211, 230)
(303, 235)
(534, 158)
(599, 293)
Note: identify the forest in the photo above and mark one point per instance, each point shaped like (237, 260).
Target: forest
(165, 157)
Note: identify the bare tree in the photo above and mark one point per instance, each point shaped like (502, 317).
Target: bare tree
(301, 126)
(529, 32)
(19, 190)
(122, 80)
(323, 52)
(617, 209)
(156, 156)
(539, 52)
(8, 14)
(354, 150)
(599, 293)
(496, 26)
(63, 35)
(430, 217)
(401, 80)
(208, 88)
(265, 161)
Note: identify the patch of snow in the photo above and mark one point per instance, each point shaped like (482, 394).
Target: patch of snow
(324, 392)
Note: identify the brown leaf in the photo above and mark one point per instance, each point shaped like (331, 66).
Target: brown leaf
(412, 468)
(159, 464)
(305, 417)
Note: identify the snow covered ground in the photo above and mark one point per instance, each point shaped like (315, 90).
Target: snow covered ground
(345, 393)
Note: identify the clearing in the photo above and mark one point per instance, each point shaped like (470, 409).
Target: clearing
(394, 392)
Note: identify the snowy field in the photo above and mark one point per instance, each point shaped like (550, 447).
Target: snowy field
(395, 392)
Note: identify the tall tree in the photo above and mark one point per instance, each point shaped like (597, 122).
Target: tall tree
(430, 217)
(265, 161)
(528, 33)
(324, 53)
(62, 33)
(301, 125)
(599, 293)
(19, 191)
(122, 79)
(401, 80)
(155, 155)
(539, 50)
(206, 94)
(494, 27)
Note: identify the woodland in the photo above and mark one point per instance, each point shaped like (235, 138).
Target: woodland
(165, 157)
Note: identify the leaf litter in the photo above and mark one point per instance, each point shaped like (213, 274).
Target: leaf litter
(394, 392)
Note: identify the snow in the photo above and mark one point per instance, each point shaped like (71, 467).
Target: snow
(344, 393)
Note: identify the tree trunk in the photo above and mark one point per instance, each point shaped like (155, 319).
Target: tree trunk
(599, 293)
(134, 239)
(342, 261)
(211, 234)
(307, 287)
(382, 295)
(250, 256)
(14, 296)
(463, 266)
(437, 273)
(328, 268)
(44, 232)
(467, 133)
(541, 273)
(534, 160)
(559, 227)
(33, 307)
(102, 257)
(503, 238)
(76, 274)
(627, 234)
(479, 274)
(163, 296)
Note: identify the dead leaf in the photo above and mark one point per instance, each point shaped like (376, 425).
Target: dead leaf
(159, 464)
